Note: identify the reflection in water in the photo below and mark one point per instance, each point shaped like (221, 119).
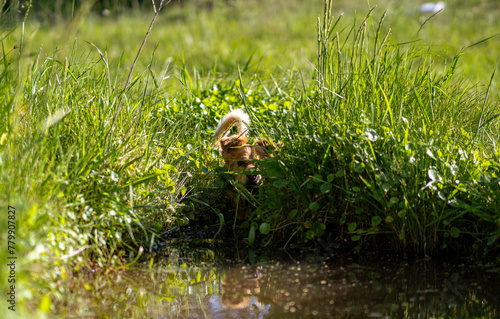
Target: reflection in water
(344, 288)
(240, 291)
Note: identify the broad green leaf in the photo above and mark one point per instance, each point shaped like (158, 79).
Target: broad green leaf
(251, 236)
(376, 220)
(314, 206)
(455, 232)
(352, 226)
(325, 187)
(318, 228)
(264, 228)
(281, 183)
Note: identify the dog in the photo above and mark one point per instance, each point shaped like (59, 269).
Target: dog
(237, 153)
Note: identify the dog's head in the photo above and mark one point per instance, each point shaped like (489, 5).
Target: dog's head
(238, 155)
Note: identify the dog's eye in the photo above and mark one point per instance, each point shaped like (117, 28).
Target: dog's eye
(240, 163)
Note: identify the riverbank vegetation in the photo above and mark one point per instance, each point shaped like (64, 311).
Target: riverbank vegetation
(385, 139)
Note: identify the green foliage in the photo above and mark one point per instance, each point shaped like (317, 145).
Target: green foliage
(105, 199)
(385, 144)
(398, 163)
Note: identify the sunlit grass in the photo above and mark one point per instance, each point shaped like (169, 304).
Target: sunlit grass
(388, 141)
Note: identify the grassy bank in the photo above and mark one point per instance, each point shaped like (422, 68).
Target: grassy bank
(385, 145)
(389, 150)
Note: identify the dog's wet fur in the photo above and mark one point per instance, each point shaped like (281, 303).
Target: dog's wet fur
(237, 153)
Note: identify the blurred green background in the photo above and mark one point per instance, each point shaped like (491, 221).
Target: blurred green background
(221, 35)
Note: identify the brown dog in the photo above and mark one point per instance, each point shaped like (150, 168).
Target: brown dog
(238, 155)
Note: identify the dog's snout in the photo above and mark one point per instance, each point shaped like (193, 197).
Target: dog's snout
(241, 163)
(254, 179)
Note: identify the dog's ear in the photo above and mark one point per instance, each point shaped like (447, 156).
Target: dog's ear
(264, 143)
(227, 143)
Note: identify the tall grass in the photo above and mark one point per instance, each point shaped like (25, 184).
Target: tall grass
(86, 189)
(385, 149)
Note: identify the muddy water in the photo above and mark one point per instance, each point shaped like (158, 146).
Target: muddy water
(199, 284)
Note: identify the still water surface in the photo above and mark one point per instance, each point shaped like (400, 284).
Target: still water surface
(198, 283)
